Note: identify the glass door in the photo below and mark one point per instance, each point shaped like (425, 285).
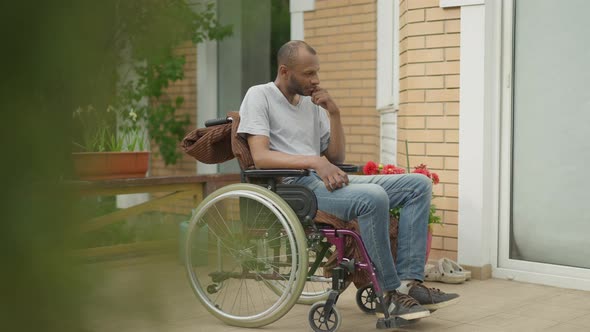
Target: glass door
(545, 203)
(248, 57)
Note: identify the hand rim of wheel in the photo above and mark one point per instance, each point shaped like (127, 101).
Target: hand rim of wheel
(273, 202)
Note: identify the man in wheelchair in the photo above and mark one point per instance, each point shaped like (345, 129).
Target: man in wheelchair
(294, 123)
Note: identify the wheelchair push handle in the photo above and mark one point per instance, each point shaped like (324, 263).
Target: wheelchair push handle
(217, 122)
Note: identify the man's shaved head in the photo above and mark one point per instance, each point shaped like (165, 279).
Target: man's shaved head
(298, 69)
(287, 54)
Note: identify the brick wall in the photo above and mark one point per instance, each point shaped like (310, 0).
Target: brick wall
(429, 106)
(343, 32)
(187, 88)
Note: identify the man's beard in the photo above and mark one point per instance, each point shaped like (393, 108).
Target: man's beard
(296, 87)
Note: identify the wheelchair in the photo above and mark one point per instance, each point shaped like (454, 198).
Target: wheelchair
(253, 251)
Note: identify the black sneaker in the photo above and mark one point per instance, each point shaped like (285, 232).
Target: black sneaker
(431, 298)
(403, 306)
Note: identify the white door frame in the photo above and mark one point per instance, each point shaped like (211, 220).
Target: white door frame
(485, 147)
(549, 274)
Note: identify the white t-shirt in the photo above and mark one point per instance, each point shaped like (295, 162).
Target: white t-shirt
(302, 129)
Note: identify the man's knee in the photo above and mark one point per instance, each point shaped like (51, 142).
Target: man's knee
(421, 183)
(372, 197)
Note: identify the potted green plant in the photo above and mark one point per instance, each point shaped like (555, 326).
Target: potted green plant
(104, 150)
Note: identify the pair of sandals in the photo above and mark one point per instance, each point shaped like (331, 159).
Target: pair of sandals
(446, 271)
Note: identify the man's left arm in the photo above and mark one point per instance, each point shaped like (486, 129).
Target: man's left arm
(336, 148)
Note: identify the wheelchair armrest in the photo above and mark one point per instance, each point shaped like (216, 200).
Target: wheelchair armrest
(273, 173)
(283, 172)
(349, 168)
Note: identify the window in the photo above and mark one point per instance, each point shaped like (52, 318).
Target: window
(227, 69)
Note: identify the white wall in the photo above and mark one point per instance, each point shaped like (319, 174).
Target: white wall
(474, 240)
(473, 237)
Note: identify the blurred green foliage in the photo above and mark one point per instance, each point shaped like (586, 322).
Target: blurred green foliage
(280, 18)
(146, 33)
(56, 56)
(139, 63)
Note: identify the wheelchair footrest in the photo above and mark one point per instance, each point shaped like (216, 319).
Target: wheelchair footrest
(393, 322)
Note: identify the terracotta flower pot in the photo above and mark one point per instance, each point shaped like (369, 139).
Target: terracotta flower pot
(110, 165)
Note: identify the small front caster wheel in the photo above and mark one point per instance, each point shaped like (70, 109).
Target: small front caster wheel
(366, 299)
(212, 289)
(319, 322)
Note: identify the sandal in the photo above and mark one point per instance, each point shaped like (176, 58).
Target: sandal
(442, 273)
(457, 268)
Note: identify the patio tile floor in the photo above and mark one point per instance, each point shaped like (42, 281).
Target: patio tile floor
(154, 295)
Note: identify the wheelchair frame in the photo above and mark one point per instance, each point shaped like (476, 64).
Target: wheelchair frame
(293, 208)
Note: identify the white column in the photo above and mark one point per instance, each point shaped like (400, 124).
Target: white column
(387, 78)
(474, 242)
(474, 236)
(297, 8)
(206, 91)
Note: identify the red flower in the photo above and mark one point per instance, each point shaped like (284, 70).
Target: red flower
(391, 169)
(388, 169)
(435, 178)
(370, 168)
(422, 171)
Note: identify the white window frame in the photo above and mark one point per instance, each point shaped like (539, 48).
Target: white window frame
(206, 91)
(297, 8)
(388, 77)
(387, 55)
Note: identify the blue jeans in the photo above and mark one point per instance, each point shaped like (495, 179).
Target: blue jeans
(369, 198)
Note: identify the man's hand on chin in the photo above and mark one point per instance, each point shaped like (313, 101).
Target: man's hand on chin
(322, 98)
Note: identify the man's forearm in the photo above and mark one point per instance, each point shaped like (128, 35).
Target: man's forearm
(275, 159)
(336, 151)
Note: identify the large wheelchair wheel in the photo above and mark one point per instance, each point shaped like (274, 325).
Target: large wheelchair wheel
(243, 241)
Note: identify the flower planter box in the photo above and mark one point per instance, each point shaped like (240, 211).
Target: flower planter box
(110, 165)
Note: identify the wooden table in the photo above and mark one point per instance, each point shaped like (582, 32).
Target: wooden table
(175, 188)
